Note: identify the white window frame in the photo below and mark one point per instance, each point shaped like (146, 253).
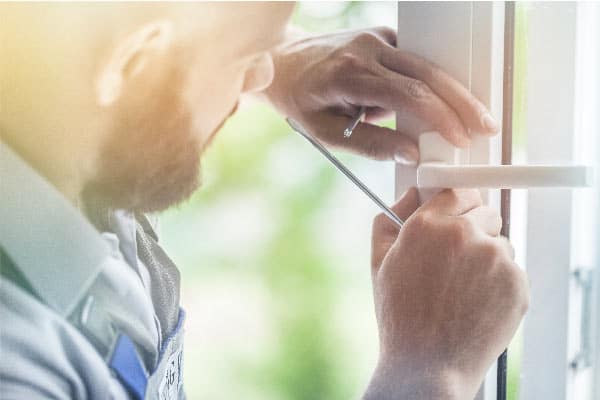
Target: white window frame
(467, 40)
(548, 255)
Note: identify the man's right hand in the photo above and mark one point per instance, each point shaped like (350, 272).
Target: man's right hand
(448, 297)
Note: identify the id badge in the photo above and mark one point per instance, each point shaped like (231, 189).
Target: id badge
(172, 379)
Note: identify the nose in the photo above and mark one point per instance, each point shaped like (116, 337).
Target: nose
(259, 74)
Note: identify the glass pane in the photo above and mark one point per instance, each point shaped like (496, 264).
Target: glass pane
(518, 217)
(556, 86)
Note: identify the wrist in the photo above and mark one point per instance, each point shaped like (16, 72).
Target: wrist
(390, 382)
(284, 65)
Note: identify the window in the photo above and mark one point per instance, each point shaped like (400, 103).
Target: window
(552, 57)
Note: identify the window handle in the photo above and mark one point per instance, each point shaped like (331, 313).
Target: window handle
(436, 171)
(438, 175)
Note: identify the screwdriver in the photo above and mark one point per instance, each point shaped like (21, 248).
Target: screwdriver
(342, 168)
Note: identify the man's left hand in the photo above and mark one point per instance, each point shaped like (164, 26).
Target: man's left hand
(322, 81)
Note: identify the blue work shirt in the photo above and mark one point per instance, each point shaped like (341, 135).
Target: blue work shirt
(78, 278)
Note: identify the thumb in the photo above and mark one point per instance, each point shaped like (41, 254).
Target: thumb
(385, 231)
(369, 140)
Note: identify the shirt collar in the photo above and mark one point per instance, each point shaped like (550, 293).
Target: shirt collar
(53, 245)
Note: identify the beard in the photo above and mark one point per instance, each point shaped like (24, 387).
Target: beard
(151, 159)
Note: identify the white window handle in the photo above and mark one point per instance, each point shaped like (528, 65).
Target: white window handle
(434, 175)
(434, 172)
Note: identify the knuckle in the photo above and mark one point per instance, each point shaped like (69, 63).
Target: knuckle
(476, 196)
(471, 195)
(417, 90)
(496, 217)
(421, 220)
(490, 214)
(383, 229)
(518, 287)
(490, 252)
(453, 195)
(418, 224)
(460, 230)
(507, 247)
(378, 221)
(367, 39)
(431, 72)
(524, 299)
(347, 62)
(386, 32)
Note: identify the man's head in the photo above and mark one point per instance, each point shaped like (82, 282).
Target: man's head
(123, 98)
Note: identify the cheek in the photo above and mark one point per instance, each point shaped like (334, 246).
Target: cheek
(211, 98)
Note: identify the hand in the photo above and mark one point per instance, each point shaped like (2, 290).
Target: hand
(448, 297)
(321, 82)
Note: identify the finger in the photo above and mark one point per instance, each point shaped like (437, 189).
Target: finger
(375, 114)
(505, 244)
(486, 218)
(471, 111)
(418, 108)
(386, 34)
(453, 202)
(385, 231)
(403, 208)
(373, 38)
(372, 141)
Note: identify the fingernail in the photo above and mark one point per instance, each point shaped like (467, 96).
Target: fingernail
(407, 157)
(489, 122)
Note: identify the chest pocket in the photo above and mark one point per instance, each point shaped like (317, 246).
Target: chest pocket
(165, 382)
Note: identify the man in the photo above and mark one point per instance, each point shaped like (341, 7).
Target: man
(106, 110)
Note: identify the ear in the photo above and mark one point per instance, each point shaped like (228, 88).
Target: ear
(259, 74)
(130, 57)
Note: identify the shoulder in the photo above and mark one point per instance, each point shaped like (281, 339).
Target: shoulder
(43, 355)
